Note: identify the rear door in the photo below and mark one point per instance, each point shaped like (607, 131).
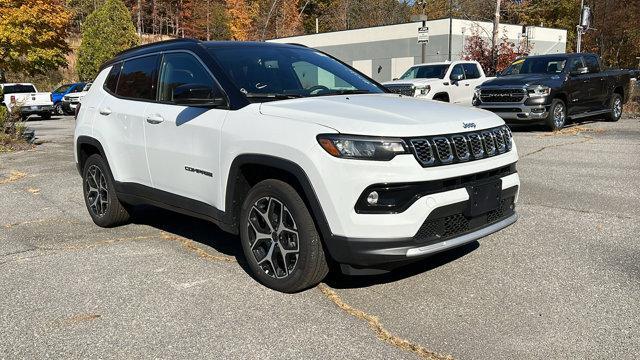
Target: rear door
(122, 115)
(183, 142)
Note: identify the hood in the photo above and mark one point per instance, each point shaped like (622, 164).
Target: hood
(413, 82)
(383, 115)
(523, 79)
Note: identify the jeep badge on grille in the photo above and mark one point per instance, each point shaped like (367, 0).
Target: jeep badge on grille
(469, 125)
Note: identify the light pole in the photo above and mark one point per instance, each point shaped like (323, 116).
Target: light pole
(423, 14)
(450, 25)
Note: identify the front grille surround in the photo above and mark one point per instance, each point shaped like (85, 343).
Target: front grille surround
(503, 95)
(456, 148)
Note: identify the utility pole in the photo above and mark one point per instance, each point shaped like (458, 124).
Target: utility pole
(580, 29)
(494, 39)
(208, 21)
(450, 26)
(139, 17)
(423, 15)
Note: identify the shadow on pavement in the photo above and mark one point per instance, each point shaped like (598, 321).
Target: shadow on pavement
(339, 281)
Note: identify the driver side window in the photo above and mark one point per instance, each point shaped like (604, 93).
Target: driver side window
(576, 64)
(457, 71)
(180, 69)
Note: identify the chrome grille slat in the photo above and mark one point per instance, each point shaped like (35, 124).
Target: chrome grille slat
(461, 147)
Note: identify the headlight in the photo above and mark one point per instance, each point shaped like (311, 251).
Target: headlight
(476, 92)
(539, 91)
(423, 89)
(362, 147)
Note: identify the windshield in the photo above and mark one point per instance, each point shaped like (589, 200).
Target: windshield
(538, 65)
(426, 72)
(16, 89)
(62, 89)
(262, 72)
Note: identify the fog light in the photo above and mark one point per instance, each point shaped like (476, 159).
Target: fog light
(372, 198)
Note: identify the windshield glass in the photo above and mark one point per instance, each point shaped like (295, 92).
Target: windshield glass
(426, 72)
(543, 65)
(16, 89)
(263, 72)
(62, 89)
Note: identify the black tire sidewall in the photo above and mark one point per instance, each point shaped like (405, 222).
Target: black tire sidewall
(113, 208)
(308, 237)
(550, 120)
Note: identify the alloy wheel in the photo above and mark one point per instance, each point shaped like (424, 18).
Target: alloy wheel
(97, 193)
(273, 237)
(559, 115)
(617, 108)
(58, 109)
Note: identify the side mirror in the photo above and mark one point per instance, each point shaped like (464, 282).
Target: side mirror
(457, 77)
(197, 95)
(580, 71)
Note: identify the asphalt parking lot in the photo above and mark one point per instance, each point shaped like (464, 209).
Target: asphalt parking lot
(562, 283)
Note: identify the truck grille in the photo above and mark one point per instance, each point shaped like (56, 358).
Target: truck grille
(502, 95)
(456, 148)
(406, 90)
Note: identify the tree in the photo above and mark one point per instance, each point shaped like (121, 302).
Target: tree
(241, 16)
(478, 48)
(32, 36)
(106, 32)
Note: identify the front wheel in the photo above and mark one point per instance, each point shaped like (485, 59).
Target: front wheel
(279, 238)
(557, 117)
(57, 109)
(616, 108)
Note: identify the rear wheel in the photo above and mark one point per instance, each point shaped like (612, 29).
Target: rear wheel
(557, 117)
(279, 238)
(57, 109)
(99, 194)
(616, 108)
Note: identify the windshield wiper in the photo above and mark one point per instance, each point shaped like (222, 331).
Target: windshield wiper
(344, 92)
(272, 96)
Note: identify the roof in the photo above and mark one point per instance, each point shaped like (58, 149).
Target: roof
(560, 55)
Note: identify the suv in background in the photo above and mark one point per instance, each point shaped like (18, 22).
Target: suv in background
(452, 82)
(552, 89)
(309, 161)
(58, 94)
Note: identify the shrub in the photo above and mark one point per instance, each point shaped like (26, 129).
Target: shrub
(107, 31)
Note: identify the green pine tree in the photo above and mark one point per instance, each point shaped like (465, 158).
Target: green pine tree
(107, 31)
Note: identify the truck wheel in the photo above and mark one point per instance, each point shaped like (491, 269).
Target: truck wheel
(279, 238)
(100, 195)
(57, 109)
(557, 115)
(616, 108)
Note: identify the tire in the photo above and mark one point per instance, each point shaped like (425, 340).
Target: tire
(557, 117)
(615, 105)
(293, 224)
(98, 185)
(57, 109)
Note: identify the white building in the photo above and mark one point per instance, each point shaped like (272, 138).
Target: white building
(386, 52)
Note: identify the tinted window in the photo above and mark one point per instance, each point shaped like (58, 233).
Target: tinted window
(112, 79)
(62, 89)
(457, 70)
(536, 65)
(592, 63)
(78, 88)
(180, 69)
(16, 89)
(260, 71)
(575, 64)
(471, 71)
(137, 78)
(426, 72)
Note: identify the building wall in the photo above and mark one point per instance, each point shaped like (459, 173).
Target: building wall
(386, 52)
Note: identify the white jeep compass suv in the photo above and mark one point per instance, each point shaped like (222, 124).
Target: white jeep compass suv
(308, 160)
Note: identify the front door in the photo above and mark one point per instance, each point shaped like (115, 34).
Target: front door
(458, 88)
(183, 142)
(577, 87)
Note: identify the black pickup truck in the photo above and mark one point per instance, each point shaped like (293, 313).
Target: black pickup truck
(551, 89)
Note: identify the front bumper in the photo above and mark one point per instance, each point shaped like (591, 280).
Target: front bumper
(445, 228)
(518, 111)
(69, 107)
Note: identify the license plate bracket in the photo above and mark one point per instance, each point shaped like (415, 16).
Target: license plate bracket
(484, 197)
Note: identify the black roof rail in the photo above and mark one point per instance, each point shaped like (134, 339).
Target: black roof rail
(157, 43)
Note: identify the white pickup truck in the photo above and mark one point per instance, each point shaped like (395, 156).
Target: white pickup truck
(27, 99)
(452, 82)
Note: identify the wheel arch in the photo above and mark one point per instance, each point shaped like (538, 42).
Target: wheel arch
(248, 169)
(85, 147)
(442, 95)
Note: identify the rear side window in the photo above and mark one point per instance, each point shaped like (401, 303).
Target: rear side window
(137, 78)
(471, 71)
(592, 63)
(16, 89)
(112, 79)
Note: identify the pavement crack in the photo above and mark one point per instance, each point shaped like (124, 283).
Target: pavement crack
(584, 140)
(377, 327)
(190, 246)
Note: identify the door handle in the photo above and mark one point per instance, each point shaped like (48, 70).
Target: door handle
(467, 84)
(105, 111)
(154, 119)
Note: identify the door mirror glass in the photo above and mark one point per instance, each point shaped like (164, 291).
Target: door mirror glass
(197, 95)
